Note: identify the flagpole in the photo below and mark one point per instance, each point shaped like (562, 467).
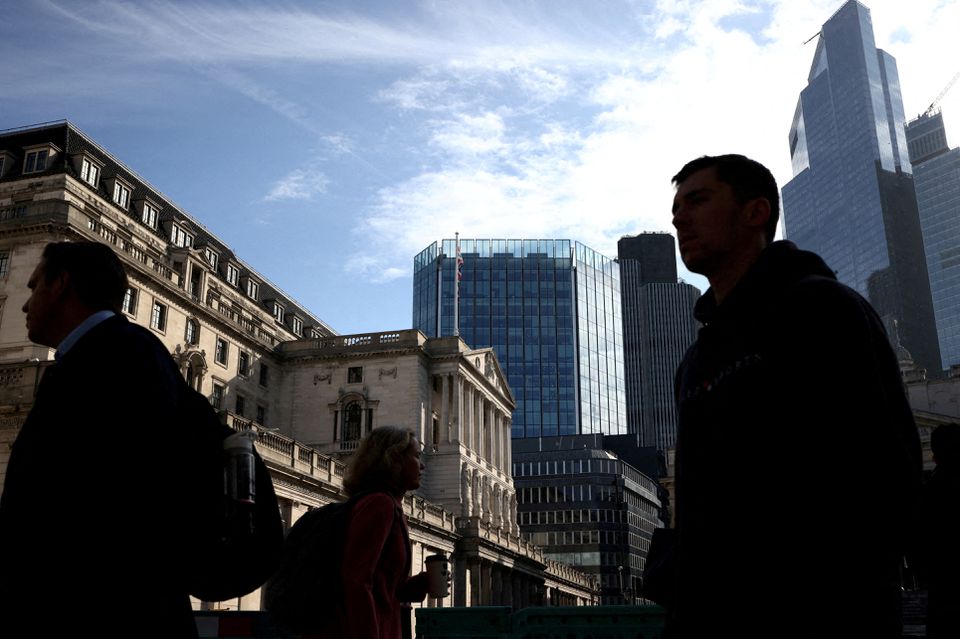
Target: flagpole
(456, 288)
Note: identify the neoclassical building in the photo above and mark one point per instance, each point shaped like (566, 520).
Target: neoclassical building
(272, 367)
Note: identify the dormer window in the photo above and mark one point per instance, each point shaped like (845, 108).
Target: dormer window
(88, 167)
(89, 172)
(179, 237)
(7, 160)
(38, 158)
(253, 289)
(297, 325)
(150, 214)
(121, 194)
(233, 274)
(211, 257)
(278, 312)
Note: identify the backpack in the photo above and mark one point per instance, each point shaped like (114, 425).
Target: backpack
(230, 548)
(305, 592)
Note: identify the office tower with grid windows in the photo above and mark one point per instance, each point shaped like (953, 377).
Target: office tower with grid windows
(936, 173)
(658, 327)
(852, 198)
(551, 311)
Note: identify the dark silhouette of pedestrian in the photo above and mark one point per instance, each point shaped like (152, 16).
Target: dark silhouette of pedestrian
(939, 543)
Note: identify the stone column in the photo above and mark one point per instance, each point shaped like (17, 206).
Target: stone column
(496, 598)
(488, 430)
(498, 430)
(486, 569)
(507, 596)
(475, 586)
(459, 570)
(458, 428)
(445, 408)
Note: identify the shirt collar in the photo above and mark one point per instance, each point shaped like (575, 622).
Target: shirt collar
(82, 329)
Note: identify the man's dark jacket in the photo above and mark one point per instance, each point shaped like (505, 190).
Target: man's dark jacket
(89, 518)
(797, 462)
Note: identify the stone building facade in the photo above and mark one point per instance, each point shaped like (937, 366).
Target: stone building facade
(252, 349)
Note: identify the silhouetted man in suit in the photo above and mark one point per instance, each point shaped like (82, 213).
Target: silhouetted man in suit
(91, 491)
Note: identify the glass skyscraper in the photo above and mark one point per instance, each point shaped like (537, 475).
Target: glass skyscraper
(551, 310)
(936, 171)
(658, 327)
(852, 196)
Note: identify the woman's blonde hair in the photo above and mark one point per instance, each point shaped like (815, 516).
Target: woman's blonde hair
(377, 463)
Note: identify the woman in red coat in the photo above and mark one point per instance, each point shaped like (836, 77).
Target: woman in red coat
(376, 557)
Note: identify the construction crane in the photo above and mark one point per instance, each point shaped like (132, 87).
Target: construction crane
(936, 101)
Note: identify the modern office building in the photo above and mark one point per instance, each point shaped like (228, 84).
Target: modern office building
(852, 195)
(588, 507)
(273, 368)
(658, 327)
(550, 309)
(936, 173)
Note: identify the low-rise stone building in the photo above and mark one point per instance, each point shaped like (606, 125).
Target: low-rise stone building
(271, 366)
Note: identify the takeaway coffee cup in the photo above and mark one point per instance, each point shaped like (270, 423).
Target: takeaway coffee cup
(438, 576)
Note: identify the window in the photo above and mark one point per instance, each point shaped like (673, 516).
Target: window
(179, 237)
(121, 195)
(150, 215)
(351, 422)
(192, 333)
(130, 301)
(4, 263)
(89, 172)
(217, 398)
(36, 161)
(278, 312)
(297, 325)
(240, 405)
(158, 316)
(355, 375)
(253, 289)
(264, 374)
(262, 415)
(233, 274)
(223, 350)
(211, 256)
(243, 364)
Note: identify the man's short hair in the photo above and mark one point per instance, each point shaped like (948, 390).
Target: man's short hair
(96, 273)
(945, 444)
(748, 178)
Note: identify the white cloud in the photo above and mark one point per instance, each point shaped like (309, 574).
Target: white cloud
(714, 90)
(300, 184)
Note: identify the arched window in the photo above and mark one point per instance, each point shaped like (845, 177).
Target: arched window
(352, 415)
(192, 332)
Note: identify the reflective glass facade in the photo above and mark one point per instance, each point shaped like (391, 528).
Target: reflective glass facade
(852, 196)
(551, 310)
(936, 172)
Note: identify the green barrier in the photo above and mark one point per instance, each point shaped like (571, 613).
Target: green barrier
(480, 622)
(589, 622)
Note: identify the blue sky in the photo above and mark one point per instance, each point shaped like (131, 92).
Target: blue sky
(329, 142)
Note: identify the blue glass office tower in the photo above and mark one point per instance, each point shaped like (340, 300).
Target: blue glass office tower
(551, 310)
(936, 173)
(852, 196)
